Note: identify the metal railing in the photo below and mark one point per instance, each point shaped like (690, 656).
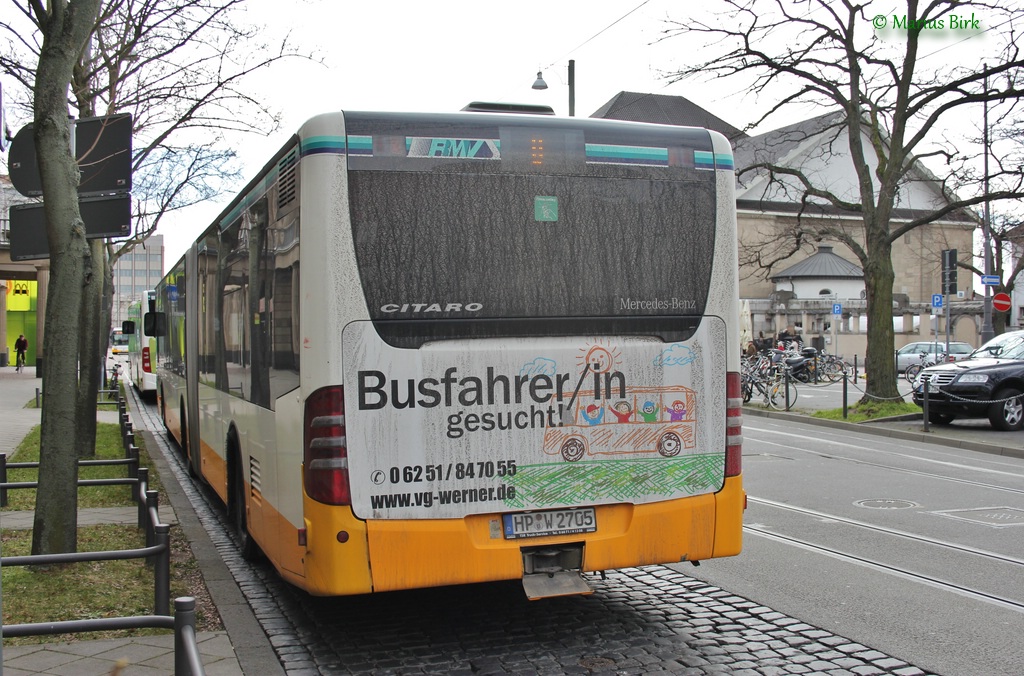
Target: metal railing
(157, 553)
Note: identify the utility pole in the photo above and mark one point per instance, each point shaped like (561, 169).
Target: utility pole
(987, 332)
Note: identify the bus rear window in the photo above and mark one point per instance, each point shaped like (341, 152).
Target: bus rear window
(531, 245)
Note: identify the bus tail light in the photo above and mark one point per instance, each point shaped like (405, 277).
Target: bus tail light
(733, 424)
(324, 450)
(146, 368)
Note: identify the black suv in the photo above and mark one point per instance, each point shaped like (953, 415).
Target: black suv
(988, 384)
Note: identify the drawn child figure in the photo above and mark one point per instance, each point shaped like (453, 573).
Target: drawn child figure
(678, 411)
(593, 414)
(649, 411)
(622, 411)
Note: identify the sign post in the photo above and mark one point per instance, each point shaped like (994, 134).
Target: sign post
(837, 315)
(949, 279)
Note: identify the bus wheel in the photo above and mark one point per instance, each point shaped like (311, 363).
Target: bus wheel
(163, 410)
(246, 545)
(186, 452)
(573, 449)
(670, 444)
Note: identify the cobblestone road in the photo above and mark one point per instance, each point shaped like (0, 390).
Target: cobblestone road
(638, 621)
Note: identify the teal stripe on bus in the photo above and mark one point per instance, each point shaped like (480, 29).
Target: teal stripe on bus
(611, 154)
(315, 145)
(703, 159)
(360, 145)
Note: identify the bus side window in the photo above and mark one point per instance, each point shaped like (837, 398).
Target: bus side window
(154, 324)
(128, 328)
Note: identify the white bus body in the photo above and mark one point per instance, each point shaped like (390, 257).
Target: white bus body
(421, 350)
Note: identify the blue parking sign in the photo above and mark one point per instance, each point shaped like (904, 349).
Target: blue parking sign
(837, 308)
(936, 300)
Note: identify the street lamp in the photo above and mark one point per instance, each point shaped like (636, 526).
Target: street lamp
(539, 83)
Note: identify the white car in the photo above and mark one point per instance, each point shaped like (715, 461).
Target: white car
(927, 352)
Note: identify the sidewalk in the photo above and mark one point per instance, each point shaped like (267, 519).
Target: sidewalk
(141, 656)
(970, 434)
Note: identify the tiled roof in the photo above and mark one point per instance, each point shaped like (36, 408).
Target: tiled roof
(662, 109)
(774, 145)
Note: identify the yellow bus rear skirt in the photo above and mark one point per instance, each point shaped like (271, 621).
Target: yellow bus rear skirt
(407, 554)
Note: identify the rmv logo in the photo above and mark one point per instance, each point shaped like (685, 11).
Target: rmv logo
(457, 147)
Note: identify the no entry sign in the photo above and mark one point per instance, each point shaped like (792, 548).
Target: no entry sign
(1001, 302)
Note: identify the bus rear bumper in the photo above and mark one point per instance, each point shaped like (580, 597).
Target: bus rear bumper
(409, 554)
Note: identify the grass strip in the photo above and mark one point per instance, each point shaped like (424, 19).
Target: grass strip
(95, 589)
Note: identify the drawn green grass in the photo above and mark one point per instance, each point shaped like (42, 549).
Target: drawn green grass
(614, 480)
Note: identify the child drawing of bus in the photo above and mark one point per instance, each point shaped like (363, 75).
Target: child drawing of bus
(660, 420)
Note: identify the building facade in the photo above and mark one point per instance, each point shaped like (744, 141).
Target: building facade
(135, 272)
(772, 212)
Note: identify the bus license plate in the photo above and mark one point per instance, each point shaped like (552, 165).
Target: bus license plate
(553, 522)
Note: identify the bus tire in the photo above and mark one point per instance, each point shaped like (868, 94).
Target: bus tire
(573, 449)
(247, 546)
(163, 409)
(670, 444)
(186, 451)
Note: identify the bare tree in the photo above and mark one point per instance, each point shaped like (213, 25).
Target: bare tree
(1007, 261)
(65, 29)
(180, 69)
(888, 109)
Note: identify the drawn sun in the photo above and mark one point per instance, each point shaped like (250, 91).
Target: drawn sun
(602, 358)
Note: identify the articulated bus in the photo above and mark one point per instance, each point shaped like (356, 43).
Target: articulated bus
(141, 346)
(433, 349)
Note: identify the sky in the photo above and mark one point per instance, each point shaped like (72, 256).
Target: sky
(407, 55)
(394, 55)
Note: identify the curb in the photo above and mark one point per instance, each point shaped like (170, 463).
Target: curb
(252, 646)
(905, 435)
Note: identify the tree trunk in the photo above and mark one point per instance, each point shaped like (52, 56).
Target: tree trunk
(55, 527)
(66, 28)
(880, 365)
(92, 342)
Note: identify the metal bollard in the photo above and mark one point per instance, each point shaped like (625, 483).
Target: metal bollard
(152, 505)
(140, 497)
(162, 572)
(787, 389)
(3, 479)
(924, 405)
(186, 662)
(133, 455)
(845, 385)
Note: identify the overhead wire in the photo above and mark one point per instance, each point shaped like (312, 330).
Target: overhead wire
(595, 35)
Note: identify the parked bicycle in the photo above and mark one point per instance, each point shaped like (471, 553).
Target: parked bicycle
(914, 369)
(114, 383)
(833, 368)
(761, 375)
